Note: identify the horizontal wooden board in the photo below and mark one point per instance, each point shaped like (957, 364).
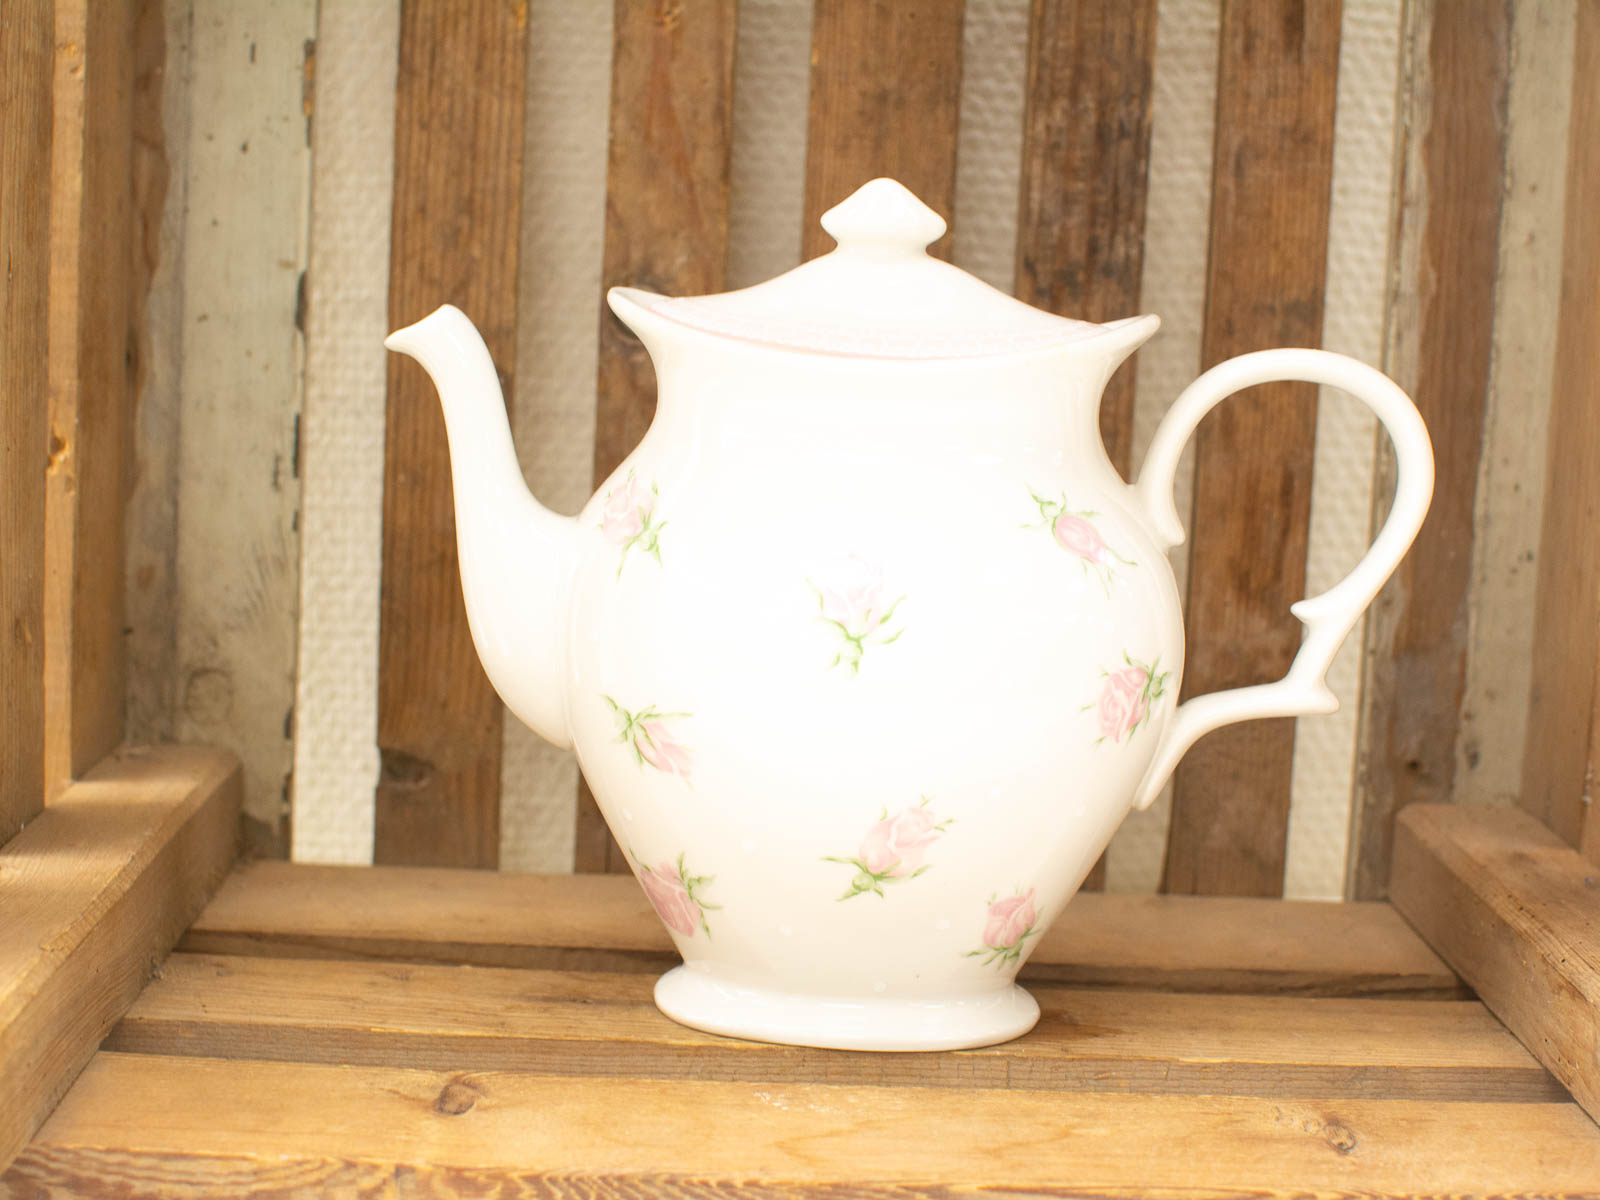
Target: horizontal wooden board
(94, 893)
(1517, 911)
(205, 1127)
(1202, 944)
(597, 1024)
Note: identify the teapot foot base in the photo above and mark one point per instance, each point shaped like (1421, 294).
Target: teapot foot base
(698, 998)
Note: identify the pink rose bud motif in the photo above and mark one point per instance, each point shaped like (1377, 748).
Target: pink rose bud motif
(675, 895)
(1126, 697)
(854, 600)
(893, 849)
(1007, 925)
(628, 519)
(646, 732)
(1076, 534)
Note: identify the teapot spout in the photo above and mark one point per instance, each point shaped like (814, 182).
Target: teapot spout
(517, 557)
(1118, 339)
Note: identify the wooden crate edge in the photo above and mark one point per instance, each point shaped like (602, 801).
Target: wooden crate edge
(1511, 907)
(104, 881)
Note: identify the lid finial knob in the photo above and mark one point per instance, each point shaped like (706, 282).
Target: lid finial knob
(883, 217)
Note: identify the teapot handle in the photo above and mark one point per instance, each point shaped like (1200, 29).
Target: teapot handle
(1329, 617)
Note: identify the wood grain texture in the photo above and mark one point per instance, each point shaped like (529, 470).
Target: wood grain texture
(1516, 911)
(26, 44)
(96, 238)
(885, 98)
(666, 228)
(606, 1025)
(1276, 86)
(96, 891)
(1085, 162)
(235, 480)
(589, 922)
(457, 210)
(1562, 753)
(213, 1128)
(1441, 342)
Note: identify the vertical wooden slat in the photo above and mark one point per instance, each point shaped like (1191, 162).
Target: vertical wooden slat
(885, 98)
(457, 201)
(1562, 758)
(26, 39)
(1276, 86)
(1085, 160)
(236, 489)
(94, 354)
(666, 226)
(1441, 342)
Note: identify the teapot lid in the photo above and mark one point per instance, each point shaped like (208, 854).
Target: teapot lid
(877, 295)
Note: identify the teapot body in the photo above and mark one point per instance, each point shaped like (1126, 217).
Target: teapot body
(866, 650)
(867, 660)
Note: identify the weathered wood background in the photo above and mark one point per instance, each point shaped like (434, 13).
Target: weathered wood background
(1394, 180)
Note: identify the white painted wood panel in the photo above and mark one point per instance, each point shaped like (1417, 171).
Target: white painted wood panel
(1173, 285)
(347, 288)
(1359, 221)
(1511, 479)
(237, 553)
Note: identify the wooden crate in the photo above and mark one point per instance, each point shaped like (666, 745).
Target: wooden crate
(170, 1028)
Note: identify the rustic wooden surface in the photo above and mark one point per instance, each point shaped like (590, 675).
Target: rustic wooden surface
(26, 42)
(242, 1128)
(94, 237)
(1514, 909)
(1269, 227)
(1085, 161)
(457, 205)
(276, 1069)
(1181, 943)
(96, 891)
(885, 97)
(1440, 353)
(234, 560)
(1563, 747)
(606, 1025)
(666, 229)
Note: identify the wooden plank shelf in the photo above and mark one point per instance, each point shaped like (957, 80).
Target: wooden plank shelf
(429, 1031)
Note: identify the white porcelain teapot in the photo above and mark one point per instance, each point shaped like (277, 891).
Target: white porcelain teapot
(866, 650)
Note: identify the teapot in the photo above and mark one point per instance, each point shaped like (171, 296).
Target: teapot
(866, 650)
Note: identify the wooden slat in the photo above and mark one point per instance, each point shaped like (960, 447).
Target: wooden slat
(94, 354)
(26, 41)
(607, 1025)
(95, 892)
(210, 1128)
(1563, 747)
(1085, 160)
(596, 922)
(1276, 76)
(666, 227)
(457, 206)
(214, 586)
(1516, 911)
(885, 98)
(1454, 168)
